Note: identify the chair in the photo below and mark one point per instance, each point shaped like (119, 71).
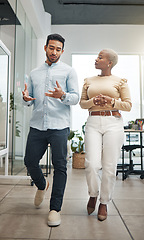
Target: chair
(128, 169)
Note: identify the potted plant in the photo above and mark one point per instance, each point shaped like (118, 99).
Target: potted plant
(77, 147)
(14, 108)
(130, 124)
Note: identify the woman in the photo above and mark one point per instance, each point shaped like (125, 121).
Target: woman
(103, 95)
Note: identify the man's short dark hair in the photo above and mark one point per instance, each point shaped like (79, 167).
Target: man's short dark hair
(57, 37)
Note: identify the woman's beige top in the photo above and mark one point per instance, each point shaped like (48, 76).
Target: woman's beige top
(111, 86)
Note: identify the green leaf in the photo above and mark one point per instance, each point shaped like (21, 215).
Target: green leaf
(71, 135)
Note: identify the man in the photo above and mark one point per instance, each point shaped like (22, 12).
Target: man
(52, 88)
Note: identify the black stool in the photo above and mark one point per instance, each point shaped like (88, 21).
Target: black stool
(128, 169)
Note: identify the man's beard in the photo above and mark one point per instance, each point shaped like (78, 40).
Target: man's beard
(52, 60)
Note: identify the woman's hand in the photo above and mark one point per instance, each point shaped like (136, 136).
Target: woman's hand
(102, 100)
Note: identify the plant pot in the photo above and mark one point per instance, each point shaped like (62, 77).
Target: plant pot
(78, 160)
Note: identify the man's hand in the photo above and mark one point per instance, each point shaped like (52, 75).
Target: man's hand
(26, 94)
(57, 93)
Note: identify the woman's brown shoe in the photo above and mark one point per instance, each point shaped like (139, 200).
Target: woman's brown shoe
(91, 205)
(102, 212)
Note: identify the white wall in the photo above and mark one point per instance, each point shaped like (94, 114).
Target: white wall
(39, 19)
(93, 38)
(40, 22)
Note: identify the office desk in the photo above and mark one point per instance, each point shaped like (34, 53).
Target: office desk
(141, 141)
(128, 169)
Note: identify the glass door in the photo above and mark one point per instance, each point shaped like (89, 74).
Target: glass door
(25, 61)
(4, 107)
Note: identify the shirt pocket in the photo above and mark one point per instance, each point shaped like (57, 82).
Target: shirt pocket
(61, 80)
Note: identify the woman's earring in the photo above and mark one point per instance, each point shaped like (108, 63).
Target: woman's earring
(108, 65)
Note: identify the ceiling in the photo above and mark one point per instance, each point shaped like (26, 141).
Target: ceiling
(7, 15)
(95, 11)
(84, 12)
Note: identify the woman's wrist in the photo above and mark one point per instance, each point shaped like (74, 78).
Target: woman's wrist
(94, 100)
(113, 102)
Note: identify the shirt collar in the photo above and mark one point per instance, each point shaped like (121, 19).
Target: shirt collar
(53, 64)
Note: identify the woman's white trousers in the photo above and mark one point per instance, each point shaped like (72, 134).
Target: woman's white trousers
(104, 136)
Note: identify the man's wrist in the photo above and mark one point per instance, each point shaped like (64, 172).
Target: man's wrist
(63, 96)
(24, 99)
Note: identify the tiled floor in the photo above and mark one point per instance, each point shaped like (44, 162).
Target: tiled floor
(20, 220)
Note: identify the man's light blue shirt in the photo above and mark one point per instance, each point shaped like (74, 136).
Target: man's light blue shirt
(48, 112)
